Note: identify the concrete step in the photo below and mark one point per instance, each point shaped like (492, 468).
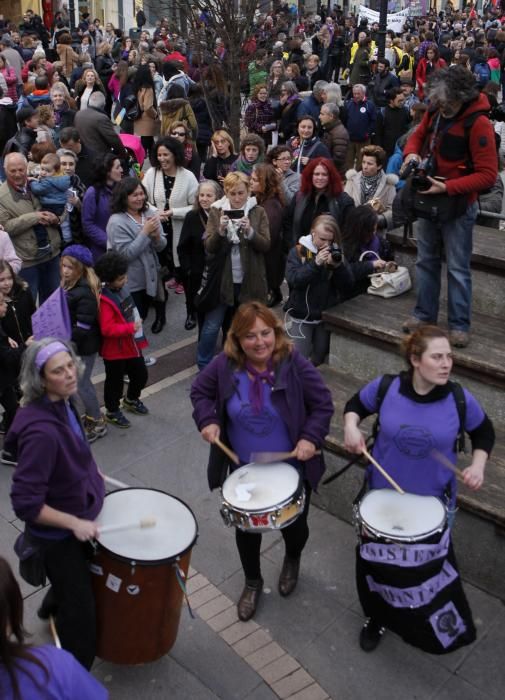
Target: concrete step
(480, 524)
(366, 337)
(488, 267)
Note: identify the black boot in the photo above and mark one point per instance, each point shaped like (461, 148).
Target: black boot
(190, 322)
(161, 317)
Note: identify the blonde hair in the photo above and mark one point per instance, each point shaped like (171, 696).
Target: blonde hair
(234, 180)
(82, 271)
(221, 133)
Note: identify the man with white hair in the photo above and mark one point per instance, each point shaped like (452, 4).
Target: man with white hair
(20, 211)
(359, 118)
(311, 105)
(96, 130)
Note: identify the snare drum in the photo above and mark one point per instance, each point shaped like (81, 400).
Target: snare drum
(137, 575)
(388, 516)
(261, 497)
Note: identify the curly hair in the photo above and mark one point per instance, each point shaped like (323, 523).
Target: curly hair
(252, 140)
(454, 84)
(110, 266)
(270, 183)
(335, 186)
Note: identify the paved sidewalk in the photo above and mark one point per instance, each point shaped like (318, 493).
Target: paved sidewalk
(303, 647)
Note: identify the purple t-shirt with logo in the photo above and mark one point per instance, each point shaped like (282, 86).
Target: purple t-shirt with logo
(249, 432)
(410, 431)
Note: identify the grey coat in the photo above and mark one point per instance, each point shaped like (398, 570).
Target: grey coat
(124, 235)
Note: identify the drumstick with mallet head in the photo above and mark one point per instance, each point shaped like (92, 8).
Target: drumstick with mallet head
(382, 471)
(141, 524)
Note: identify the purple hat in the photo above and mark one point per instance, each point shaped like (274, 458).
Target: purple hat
(80, 253)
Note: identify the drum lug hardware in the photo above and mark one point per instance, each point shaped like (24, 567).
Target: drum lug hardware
(133, 565)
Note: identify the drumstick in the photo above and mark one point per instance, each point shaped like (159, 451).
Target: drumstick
(145, 522)
(229, 453)
(115, 482)
(269, 457)
(448, 464)
(56, 639)
(382, 471)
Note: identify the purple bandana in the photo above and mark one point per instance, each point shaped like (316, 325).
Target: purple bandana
(256, 388)
(47, 352)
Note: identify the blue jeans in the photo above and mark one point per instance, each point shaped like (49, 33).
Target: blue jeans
(208, 335)
(456, 239)
(43, 278)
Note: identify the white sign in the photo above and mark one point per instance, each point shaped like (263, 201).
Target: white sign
(395, 21)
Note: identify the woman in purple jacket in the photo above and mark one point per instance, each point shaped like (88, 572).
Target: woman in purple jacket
(260, 394)
(96, 204)
(59, 496)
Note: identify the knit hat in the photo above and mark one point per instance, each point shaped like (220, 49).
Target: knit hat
(80, 253)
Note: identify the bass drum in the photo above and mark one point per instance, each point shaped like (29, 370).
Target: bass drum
(138, 575)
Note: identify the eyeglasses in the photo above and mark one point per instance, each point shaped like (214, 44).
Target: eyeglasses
(287, 158)
(178, 133)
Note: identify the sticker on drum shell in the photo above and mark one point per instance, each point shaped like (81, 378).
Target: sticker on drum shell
(113, 582)
(95, 569)
(133, 589)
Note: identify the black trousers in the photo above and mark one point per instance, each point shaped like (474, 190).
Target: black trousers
(67, 569)
(142, 302)
(9, 401)
(115, 370)
(295, 537)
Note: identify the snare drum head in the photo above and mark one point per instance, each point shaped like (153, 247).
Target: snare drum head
(401, 515)
(175, 530)
(272, 484)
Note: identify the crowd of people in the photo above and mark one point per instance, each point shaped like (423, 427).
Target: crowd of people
(121, 184)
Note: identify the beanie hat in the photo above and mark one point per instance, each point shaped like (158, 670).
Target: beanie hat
(80, 253)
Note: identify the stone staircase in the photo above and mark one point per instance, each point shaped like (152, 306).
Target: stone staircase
(365, 342)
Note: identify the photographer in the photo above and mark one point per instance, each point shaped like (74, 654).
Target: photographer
(455, 147)
(318, 277)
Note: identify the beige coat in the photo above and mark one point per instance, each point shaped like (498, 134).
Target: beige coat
(385, 192)
(149, 122)
(68, 57)
(18, 216)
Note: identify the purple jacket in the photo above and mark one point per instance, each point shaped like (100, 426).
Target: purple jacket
(66, 678)
(299, 394)
(95, 215)
(55, 466)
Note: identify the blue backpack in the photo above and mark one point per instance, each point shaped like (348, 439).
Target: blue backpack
(482, 73)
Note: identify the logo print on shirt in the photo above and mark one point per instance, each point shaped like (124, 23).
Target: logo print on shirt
(414, 441)
(258, 424)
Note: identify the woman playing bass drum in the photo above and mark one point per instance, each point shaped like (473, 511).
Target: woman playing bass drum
(422, 419)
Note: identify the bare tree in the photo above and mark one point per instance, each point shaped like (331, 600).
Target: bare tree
(229, 20)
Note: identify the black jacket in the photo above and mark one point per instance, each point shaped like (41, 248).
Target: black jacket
(17, 322)
(83, 307)
(86, 166)
(10, 362)
(314, 288)
(303, 209)
(190, 248)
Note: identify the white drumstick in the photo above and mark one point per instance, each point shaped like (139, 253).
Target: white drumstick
(56, 639)
(115, 482)
(144, 523)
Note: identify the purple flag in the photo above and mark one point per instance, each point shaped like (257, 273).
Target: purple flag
(52, 318)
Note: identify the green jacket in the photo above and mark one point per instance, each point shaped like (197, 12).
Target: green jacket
(252, 256)
(257, 75)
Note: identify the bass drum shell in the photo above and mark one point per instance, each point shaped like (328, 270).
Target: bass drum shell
(138, 602)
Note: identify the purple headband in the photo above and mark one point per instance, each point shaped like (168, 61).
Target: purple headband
(47, 352)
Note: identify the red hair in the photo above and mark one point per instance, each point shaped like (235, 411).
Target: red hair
(335, 186)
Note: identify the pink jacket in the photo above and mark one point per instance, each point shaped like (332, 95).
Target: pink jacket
(7, 251)
(11, 79)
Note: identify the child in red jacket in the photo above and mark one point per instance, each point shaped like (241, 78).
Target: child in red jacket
(122, 341)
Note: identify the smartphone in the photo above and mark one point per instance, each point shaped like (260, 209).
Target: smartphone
(234, 213)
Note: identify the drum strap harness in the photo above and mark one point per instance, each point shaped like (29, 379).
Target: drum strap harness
(385, 383)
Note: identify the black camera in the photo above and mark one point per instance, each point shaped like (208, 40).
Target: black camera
(336, 254)
(419, 172)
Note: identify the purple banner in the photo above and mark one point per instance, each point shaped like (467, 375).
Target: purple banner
(52, 318)
(416, 596)
(447, 624)
(407, 555)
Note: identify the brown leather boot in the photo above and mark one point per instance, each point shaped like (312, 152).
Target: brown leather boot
(248, 602)
(289, 576)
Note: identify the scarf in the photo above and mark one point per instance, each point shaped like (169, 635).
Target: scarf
(244, 166)
(188, 152)
(369, 185)
(256, 387)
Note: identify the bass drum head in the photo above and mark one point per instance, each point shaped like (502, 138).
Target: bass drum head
(175, 531)
(401, 516)
(268, 485)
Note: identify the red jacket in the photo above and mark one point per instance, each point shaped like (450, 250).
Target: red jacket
(421, 74)
(118, 342)
(451, 150)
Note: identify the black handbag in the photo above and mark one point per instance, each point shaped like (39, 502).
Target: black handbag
(31, 559)
(438, 208)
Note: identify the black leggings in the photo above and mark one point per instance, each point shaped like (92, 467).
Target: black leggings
(295, 537)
